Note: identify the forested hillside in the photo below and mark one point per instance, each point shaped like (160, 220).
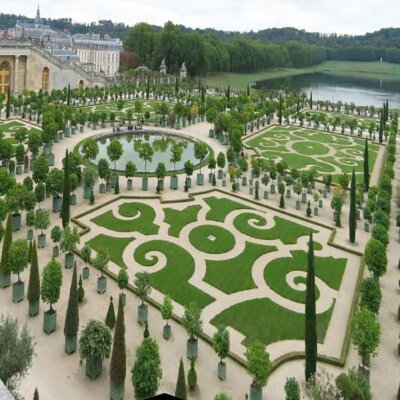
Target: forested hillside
(210, 50)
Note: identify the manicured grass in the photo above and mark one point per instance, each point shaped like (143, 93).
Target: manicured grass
(267, 321)
(310, 148)
(328, 269)
(114, 246)
(143, 224)
(286, 231)
(173, 279)
(212, 239)
(234, 275)
(220, 208)
(10, 126)
(178, 219)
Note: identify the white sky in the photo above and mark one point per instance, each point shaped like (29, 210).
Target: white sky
(341, 16)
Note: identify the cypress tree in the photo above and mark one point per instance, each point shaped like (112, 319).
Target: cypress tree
(4, 266)
(71, 325)
(366, 166)
(282, 202)
(69, 95)
(387, 111)
(34, 279)
(310, 317)
(381, 127)
(280, 110)
(180, 389)
(118, 357)
(116, 187)
(311, 99)
(228, 94)
(65, 209)
(81, 290)
(110, 317)
(30, 251)
(36, 395)
(248, 89)
(352, 214)
(8, 105)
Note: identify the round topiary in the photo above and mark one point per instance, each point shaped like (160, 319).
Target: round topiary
(192, 375)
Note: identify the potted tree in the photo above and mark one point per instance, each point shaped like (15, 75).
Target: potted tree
(56, 236)
(101, 262)
(71, 324)
(30, 221)
(16, 197)
(146, 153)
(221, 344)
(189, 167)
(18, 261)
(221, 164)
(194, 326)
(73, 183)
(94, 347)
(42, 222)
(103, 170)
(69, 240)
(176, 156)
(5, 272)
(34, 284)
(200, 153)
(55, 185)
(89, 178)
(143, 289)
(86, 254)
(259, 367)
(130, 171)
(166, 312)
(265, 181)
(160, 173)
(123, 279)
(211, 166)
(114, 152)
(50, 293)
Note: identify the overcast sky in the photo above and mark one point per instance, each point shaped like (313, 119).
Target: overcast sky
(341, 16)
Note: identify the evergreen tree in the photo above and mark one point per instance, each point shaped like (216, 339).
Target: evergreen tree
(8, 105)
(4, 265)
(280, 110)
(352, 214)
(69, 95)
(311, 100)
(91, 200)
(282, 202)
(34, 279)
(36, 395)
(81, 290)
(228, 95)
(180, 389)
(110, 317)
(71, 325)
(30, 251)
(65, 209)
(118, 357)
(116, 187)
(381, 127)
(366, 166)
(310, 317)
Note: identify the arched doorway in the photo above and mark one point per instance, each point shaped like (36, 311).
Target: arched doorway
(5, 77)
(45, 79)
(81, 84)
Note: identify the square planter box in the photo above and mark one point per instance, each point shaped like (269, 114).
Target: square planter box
(272, 188)
(174, 183)
(70, 344)
(161, 184)
(266, 194)
(192, 348)
(220, 174)
(81, 128)
(57, 203)
(255, 393)
(304, 198)
(210, 177)
(189, 182)
(143, 312)
(41, 240)
(211, 133)
(200, 179)
(18, 290)
(5, 280)
(222, 370)
(16, 222)
(223, 182)
(117, 392)
(167, 332)
(101, 284)
(50, 159)
(145, 183)
(49, 321)
(85, 272)
(87, 191)
(18, 170)
(129, 184)
(102, 188)
(56, 251)
(72, 200)
(93, 368)
(33, 308)
(69, 260)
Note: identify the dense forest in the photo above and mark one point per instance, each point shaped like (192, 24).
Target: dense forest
(210, 50)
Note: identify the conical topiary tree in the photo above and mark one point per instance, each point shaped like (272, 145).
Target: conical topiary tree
(118, 357)
(71, 325)
(180, 389)
(81, 290)
(110, 317)
(34, 284)
(352, 212)
(36, 395)
(65, 208)
(5, 271)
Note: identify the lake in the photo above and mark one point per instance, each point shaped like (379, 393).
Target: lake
(359, 90)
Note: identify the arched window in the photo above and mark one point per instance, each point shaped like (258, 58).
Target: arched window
(81, 84)
(45, 79)
(5, 77)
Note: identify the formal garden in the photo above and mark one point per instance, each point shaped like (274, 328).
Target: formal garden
(199, 227)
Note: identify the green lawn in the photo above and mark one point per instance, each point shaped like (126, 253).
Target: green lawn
(212, 239)
(328, 269)
(286, 231)
(114, 246)
(267, 321)
(234, 275)
(178, 219)
(10, 126)
(173, 278)
(220, 208)
(143, 224)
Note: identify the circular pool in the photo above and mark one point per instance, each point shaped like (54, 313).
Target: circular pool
(161, 142)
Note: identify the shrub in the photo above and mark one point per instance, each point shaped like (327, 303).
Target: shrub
(91, 197)
(370, 294)
(379, 232)
(192, 374)
(81, 290)
(292, 389)
(110, 317)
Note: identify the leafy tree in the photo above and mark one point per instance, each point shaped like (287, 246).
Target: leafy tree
(161, 171)
(115, 151)
(146, 371)
(123, 278)
(69, 239)
(259, 365)
(353, 385)
(379, 232)
(221, 342)
(20, 346)
(89, 176)
(310, 317)
(370, 295)
(118, 357)
(365, 333)
(90, 149)
(51, 282)
(180, 388)
(86, 253)
(101, 261)
(146, 153)
(40, 169)
(34, 278)
(142, 283)
(167, 308)
(6, 182)
(375, 257)
(28, 183)
(222, 396)
(221, 160)
(103, 168)
(189, 167)
(130, 169)
(352, 213)
(40, 192)
(18, 256)
(55, 234)
(34, 142)
(110, 317)
(176, 153)
(200, 152)
(55, 181)
(292, 389)
(4, 263)
(65, 208)
(95, 341)
(192, 320)
(42, 220)
(17, 197)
